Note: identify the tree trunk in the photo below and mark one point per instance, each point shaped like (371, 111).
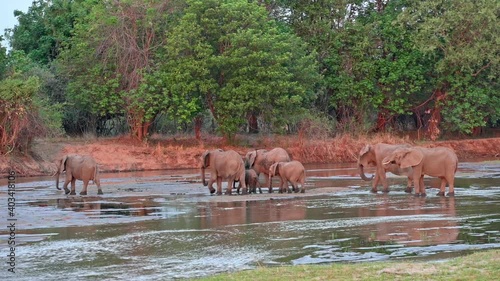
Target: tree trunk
(433, 130)
(198, 123)
(253, 125)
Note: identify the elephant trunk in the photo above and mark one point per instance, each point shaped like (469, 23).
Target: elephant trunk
(362, 173)
(203, 176)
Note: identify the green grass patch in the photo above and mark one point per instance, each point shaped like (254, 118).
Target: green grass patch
(477, 266)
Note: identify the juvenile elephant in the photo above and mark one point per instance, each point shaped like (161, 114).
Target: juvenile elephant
(373, 155)
(260, 160)
(227, 165)
(78, 168)
(293, 172)
(440, 162)
(251, 181)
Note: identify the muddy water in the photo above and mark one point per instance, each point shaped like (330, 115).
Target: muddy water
(165, 225)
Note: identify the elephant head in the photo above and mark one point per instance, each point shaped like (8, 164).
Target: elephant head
(205, 163)
(252, 156)
(366, 157)
(404, 158)
(61, 167)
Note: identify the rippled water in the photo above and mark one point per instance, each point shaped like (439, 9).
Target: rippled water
(165, 225)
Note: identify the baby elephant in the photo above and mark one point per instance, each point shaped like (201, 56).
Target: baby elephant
(78, 168)
(251, 180)
(293, 172)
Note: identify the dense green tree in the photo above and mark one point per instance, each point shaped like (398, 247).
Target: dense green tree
(43, 29)
(462, 38)
(110, 60)
(229, 57)
(25, 112)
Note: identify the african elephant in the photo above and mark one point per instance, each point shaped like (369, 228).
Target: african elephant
(223, 165)
(260, 160)
(251, 181)
(293, 172)
(373, 155)
(78, 168)
(441, 162)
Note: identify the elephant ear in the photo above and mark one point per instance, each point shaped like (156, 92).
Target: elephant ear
(411, 158)
(205, 159)
(365, 150)
(251, 158)
(62, 165)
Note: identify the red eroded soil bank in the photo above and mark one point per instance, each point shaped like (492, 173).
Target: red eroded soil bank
(124, 154)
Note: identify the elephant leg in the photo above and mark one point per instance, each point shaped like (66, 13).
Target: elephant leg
(84, 190)
(269, 182)
(246, 187)
(98, 183)
(409, 185)
(451, 184)
(229, 188)
(385, 184)
(219, 186)
(422, 186)
(442, 188)
(211, 185)
(375, 183)
(73, 180)
(418, 187)
(65, 186)
(288, 189)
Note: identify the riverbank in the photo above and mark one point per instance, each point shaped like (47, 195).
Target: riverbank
(123, 154)
(477, 266)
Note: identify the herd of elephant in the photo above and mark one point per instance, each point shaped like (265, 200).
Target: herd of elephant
(228, 165)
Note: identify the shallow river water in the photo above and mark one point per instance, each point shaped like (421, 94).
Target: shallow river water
(165, 224)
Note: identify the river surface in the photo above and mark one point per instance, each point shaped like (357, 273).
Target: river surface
(165, 225)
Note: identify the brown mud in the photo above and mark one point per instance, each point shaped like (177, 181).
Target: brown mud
(123, 154)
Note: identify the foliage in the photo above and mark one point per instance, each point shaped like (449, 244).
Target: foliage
(110, 60)
(16, 105)
(43, 29)
(361, 65)
(228, 56)
(461, 37)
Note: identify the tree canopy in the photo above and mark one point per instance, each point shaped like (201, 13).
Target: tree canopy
(250, 66)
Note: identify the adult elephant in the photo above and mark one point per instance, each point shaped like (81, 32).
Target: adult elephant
(293, 172)
(441, 162)
(227, 165)
(260, 160)
(78, 167)
(373, 155)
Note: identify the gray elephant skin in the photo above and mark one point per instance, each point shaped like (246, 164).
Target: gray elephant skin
(440, 162)
(373, 155)
(251, 181)
(260, 160)
(223, 165)
(78, 167)
(293, 172)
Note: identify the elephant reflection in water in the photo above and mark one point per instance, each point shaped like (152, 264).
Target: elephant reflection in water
(216, 214)
(82, 204)
(415, 231)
